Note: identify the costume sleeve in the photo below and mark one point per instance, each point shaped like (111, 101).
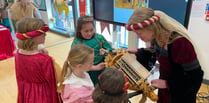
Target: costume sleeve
(49, 73)
(183, 53)
(77, 95)
(105, 43)
(146, 58)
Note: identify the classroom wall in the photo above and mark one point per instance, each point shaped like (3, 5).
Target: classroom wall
(199, 29)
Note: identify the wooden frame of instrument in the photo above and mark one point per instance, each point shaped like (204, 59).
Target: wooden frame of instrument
(134, 71)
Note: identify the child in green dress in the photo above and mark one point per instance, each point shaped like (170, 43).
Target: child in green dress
(85, 34)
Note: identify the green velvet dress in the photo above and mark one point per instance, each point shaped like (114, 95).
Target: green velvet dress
(97, 42)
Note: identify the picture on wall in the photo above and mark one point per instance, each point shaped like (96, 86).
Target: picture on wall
(41, 4)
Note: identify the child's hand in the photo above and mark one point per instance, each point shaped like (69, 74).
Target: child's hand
(159, 83)
(103, 51)
(132, 51)
(98, 66)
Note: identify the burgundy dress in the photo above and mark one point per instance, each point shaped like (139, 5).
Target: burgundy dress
(180, 67)
(35, 76)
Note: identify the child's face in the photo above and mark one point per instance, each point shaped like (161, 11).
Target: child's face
(89, 63)
(87, 31)
(39, 39)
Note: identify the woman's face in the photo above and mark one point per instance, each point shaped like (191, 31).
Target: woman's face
(145, 35)
(87, 31)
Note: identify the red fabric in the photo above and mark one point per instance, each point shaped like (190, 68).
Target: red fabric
(181, 47)
(143, 24)
(35, 77)
(82, 7)
(31, 34)
(7, 45)
(164, 94)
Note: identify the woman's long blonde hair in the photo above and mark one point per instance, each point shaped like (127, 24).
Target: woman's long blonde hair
(78, 54)
(165, 23)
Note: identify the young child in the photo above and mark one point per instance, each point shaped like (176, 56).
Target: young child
(76, 85)
(86, 35)
(111, 88)
(35, 72)
(4, 20)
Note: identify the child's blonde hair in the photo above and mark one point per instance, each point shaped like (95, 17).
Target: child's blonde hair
(78, 54)
(27, 25)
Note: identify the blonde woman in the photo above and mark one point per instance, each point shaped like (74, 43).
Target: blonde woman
(180, 69)
(35, 71)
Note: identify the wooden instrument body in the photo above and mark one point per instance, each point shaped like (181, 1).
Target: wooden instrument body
(135, 72)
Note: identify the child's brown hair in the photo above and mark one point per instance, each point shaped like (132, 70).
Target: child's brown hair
(110, 87)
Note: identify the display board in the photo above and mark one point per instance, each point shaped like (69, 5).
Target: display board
(119, 11)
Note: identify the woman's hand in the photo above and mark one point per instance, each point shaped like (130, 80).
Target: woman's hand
(103, 51)
(132, 51)
(159, 83)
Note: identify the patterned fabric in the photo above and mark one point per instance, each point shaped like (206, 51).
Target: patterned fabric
(97, 42)
(35, 77)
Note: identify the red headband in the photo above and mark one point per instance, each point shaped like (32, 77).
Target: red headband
(143, 24)
(27, 35)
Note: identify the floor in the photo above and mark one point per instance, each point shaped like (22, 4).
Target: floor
(58, 47)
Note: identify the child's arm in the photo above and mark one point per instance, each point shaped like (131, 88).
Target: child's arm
(132, 51)
(103, 51)
(98, 66)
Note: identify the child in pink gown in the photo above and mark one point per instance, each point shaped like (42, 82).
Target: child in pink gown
(76, 85)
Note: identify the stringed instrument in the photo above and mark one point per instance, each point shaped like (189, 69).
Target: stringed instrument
(135, 72)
